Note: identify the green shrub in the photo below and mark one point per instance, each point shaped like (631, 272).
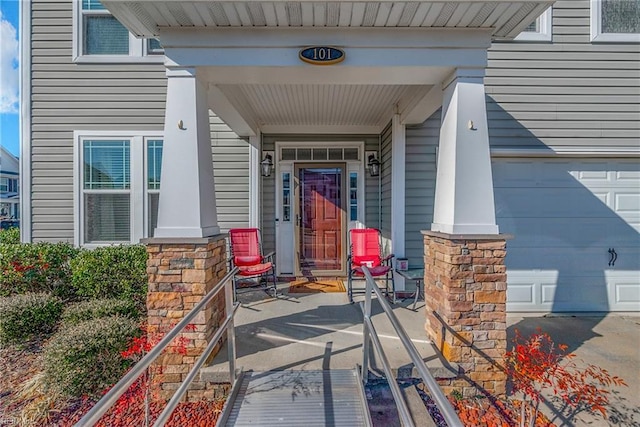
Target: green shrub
(94, 309)
(85, 359)
(10, 235)
(27, 316)
(36, 267)
(112, 272)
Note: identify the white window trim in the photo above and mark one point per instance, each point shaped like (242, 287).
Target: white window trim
(138, 185)
(545, 29)
(137, 47)
(596, 28)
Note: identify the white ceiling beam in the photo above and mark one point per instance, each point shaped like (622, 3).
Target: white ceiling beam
(425, 107)
(241, 122)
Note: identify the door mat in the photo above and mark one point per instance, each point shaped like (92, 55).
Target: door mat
(315, 285)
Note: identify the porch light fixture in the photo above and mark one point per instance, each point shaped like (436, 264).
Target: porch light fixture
(266, 164)
(373, 164)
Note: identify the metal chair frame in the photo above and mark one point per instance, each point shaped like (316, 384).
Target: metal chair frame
(262, 277)
(355, 270)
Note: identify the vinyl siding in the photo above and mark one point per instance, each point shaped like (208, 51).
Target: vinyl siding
(420, 185)
(566, 93)
(385, 185)
(101, 97)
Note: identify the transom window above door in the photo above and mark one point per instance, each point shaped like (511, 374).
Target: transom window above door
(320, 154)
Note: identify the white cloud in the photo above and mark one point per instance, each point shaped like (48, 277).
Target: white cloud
(8, 67)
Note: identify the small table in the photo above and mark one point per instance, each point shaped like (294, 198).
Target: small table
(416, 274)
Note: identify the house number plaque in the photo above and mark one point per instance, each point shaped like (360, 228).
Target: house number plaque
(322, 55)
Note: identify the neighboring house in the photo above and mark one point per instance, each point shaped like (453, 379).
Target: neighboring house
(518, 117)
(9, 185)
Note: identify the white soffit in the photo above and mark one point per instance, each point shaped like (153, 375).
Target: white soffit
(507, 18)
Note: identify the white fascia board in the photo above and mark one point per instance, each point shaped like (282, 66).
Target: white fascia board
(25, 121)
(425, 107)
(242, 124)
(345, 38)
(355, 57)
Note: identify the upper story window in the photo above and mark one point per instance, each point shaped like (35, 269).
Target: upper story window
(540, 29)
(615, 20)
(100, 37)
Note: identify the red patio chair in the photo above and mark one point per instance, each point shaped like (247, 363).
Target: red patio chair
(365, 249)
(245, 247)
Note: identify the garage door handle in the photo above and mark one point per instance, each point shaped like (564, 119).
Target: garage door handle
(613, 257)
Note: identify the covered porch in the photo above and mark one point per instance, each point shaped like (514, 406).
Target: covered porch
(401, 63)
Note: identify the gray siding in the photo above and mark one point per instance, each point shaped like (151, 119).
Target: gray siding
(385, 182)
(103, 97)
(569, 92)
(372, 193)
(420, 180)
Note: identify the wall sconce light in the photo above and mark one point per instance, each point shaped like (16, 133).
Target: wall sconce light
(373, 164)
(266, 165)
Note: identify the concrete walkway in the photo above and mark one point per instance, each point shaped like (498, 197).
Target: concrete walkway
(319, 331)
(611, 342)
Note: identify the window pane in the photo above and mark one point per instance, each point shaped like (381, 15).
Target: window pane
(105, 35)
(621, 16)
(106, 165)
(107, 218)
(153, 212)
(92, 5)
(154, 47)
(351, 154)
(533, 27)
(154, 164)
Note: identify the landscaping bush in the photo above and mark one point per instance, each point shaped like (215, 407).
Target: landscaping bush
(85, 359)
(94, 309)
(36, 267)
(112, 272)
(27, 316)
(10, 235)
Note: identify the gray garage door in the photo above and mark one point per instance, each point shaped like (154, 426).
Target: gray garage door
(568, 217)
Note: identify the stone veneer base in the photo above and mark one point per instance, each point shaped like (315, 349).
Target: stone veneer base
(181, 272)
(465, 294)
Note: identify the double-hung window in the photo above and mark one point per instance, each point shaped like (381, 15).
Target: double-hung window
(100, 37)
(615, 21)
(539, 30)
(118, 186)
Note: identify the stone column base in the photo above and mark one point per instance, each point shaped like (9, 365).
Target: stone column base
(465, 295)
(181, 272)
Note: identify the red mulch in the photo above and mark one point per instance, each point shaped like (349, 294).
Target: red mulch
(483, 412)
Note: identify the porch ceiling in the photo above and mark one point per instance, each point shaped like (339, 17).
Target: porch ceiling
(507, 18)
(355, 108)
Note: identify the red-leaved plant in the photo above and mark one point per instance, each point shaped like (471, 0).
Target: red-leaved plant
(536, 364)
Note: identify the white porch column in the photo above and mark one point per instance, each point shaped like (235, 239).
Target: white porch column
(187, 206)
(464, 185)
(398, 149)
(254, 181)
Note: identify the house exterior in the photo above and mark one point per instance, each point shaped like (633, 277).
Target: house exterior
(9, 186)
(487, 117)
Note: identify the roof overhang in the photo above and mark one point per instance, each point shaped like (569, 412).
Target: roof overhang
(506, 19)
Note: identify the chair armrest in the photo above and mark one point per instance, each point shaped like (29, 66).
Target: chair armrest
(270, 255)
(388, 257)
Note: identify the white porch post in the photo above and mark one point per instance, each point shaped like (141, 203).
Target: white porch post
(464, 185)
(254, 181)
(187, 206)
(398, 149)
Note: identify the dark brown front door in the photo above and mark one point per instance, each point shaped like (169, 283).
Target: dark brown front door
(320, 221)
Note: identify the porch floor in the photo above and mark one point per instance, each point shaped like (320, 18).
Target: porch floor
(319, 331)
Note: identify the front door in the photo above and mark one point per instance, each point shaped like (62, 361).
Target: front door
(320, 219)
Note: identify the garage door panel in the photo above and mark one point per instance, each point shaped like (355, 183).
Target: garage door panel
(565, 216)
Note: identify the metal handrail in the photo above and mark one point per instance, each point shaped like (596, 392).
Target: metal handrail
(110, 398)
(447, 411)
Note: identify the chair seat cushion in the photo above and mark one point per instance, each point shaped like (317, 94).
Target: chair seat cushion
(247, 260)
(253, 270)
(380, 270)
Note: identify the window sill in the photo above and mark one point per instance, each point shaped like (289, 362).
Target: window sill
(615, 38)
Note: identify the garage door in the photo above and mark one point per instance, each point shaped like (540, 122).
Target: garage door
(570, 219)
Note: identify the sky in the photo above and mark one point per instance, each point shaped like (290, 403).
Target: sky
(9, 98)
